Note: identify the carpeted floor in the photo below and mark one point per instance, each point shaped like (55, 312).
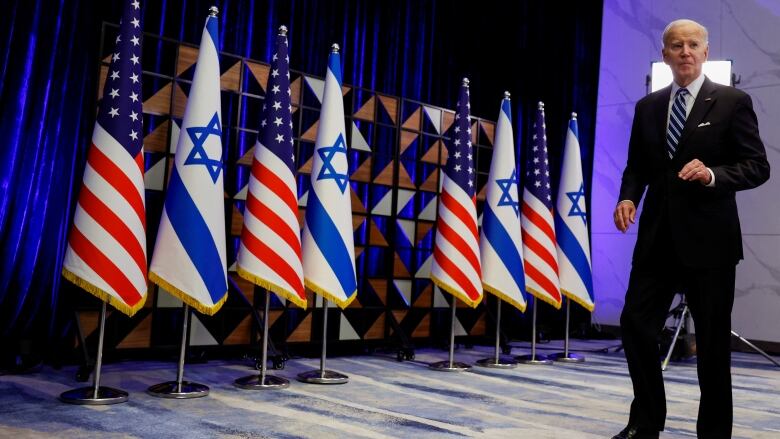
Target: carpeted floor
(385, 399)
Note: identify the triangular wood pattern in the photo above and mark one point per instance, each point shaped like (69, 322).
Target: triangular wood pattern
(366, 112)
(391, 106)
(261, 72)
(157, 140)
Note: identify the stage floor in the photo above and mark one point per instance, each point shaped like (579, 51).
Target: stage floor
(386, 399)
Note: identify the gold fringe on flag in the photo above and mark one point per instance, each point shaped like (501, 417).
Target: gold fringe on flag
(455, 292)
(322, 292)
(186, 298)
(103, 295)
(270, 286)
(504, 297)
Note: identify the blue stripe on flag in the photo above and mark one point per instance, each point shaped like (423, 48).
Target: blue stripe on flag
(328, 239)
(502, 243)
(576, 254)
(573, 128)
(211, 27)
(506, 107)
(195, 236)
(334, 65)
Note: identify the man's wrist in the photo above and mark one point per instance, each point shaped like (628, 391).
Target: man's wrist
(626, 201)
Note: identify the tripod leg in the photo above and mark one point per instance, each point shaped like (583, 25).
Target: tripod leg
(674, 338)
(755, 348)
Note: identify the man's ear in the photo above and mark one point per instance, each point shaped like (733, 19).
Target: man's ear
(663, 55)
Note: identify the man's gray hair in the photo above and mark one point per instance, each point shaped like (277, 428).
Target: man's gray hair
(681, 22)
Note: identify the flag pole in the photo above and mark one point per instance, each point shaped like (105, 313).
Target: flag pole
(566, 356)
(96, 394)
(497, 362)
(451, 365)
(322, 375)
(263, 381)
(180, 389)
(533, 358)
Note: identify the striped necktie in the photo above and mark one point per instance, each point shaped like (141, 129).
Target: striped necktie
(676, 122)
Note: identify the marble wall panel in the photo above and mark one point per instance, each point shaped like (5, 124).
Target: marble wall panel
(755, 314)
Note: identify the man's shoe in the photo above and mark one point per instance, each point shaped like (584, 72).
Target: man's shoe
(634, 432)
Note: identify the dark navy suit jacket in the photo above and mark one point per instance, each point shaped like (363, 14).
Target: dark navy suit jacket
(721, 131)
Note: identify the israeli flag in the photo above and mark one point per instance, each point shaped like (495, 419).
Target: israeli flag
(189, 255)
(327, 244)
(500, 242)
(571, 226)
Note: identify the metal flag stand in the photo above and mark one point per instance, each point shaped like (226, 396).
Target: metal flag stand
(321, 375)
(566, 356)
(96, 394)
(180, 389)
(496, 361)
(533, 358)
(450, 365)
(263, 381)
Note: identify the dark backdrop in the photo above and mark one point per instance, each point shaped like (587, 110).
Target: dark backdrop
(49, 52)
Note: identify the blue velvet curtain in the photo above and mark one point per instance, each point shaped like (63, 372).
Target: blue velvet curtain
(419, 49)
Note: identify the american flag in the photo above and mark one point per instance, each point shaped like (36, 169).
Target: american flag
(456, 266)
(541, 264)
(270, 250)
(106, 252)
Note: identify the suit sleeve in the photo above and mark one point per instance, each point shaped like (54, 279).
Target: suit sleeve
(749, 167)
(635, 177)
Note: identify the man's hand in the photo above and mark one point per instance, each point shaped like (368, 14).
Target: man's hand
(695, 171)
(625, 213)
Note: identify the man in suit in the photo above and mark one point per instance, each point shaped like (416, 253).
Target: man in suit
(693, 145)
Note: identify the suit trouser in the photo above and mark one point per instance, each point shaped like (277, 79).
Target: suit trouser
(710, 296)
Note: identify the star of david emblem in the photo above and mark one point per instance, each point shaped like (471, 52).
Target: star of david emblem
(198, 155)
(575, 198)
(327, 171)
(505, 184)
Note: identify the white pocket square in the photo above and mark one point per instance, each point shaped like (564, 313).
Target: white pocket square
(704, 124)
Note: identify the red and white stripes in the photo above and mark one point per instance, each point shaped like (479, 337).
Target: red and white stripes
(456, 267)
(107, 245)
(270, 251)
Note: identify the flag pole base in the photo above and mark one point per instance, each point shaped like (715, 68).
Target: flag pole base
(258, 382)
(172, 390)
(533, 359)
(446, 366)
(322, 377)
(502, 363)
(571, 358)
(86, 396)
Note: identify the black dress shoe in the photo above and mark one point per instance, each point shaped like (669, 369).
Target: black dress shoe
(634, 432)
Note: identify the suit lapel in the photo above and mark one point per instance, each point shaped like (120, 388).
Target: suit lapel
(701, 106)
(661, 111)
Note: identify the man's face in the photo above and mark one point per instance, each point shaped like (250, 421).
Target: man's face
(685, 51)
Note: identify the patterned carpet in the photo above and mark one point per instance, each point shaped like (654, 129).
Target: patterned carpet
(385, 399)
